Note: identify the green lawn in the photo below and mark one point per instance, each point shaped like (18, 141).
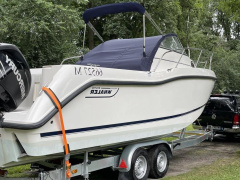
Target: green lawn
(222, 169)
(189, 128)
(18, 171)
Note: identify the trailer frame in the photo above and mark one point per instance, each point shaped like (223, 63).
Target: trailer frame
(113, 159)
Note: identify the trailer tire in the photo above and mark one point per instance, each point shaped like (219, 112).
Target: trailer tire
(230, 136)
(123, 176)
(140, 166)
(159, 161)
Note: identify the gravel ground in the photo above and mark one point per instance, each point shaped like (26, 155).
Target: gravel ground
(185, 160)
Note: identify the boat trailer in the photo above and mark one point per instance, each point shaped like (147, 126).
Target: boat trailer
(117, 158)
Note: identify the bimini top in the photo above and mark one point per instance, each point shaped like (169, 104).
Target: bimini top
(112, 9)
(124, 53)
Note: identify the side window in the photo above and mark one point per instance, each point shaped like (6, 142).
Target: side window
(172, 43)
(223, 105)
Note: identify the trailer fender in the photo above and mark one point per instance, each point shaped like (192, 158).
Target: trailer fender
(128, 152)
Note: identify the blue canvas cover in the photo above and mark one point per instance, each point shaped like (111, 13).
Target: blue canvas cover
(123, 54)
(112, 9)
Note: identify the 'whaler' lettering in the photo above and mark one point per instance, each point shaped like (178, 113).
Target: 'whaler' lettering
(101, 92)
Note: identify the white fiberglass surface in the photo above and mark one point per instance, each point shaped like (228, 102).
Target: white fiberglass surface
(64, 86)
(36, 76)
(51, 145)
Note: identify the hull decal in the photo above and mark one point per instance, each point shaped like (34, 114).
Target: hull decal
(100, 92)
(70, 131)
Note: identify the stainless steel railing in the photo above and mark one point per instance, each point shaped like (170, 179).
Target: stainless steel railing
(182, 53)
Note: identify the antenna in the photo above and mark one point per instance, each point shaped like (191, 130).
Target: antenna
(84, 34)
(144, 39)
(187, 36)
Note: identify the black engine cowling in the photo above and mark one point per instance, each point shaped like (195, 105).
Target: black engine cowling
(15, 77)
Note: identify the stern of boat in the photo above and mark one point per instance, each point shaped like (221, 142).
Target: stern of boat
(10, 147)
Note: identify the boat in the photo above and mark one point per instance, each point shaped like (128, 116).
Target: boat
(121, 91)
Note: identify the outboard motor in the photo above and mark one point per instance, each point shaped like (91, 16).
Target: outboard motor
(15, 77)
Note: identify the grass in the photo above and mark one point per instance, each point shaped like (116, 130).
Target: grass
(18, 171)
(189, 128)
(222, 169)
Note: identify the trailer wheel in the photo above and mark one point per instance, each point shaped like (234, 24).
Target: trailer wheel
(140, 167)
(159, 161)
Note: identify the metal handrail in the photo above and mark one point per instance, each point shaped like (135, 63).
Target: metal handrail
(161, 59)
(199, 57)
(180, 58)
(183, 50)
(74, 57)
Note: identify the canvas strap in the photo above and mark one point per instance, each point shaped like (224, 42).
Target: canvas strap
(57, 104)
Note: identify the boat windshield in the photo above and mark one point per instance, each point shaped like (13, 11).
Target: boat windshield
(172, 43)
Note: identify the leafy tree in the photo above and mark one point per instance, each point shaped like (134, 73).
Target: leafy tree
(48, 30)
(230, 8)
(226, 65)
(45, 31)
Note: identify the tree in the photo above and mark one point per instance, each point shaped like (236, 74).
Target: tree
(46, 32)
(226, 65)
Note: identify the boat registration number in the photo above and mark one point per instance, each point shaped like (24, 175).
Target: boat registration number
(89, 71)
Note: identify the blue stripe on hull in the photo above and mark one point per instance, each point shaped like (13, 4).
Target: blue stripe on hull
(115, 125)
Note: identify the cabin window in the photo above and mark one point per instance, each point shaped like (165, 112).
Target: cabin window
(172, 43)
